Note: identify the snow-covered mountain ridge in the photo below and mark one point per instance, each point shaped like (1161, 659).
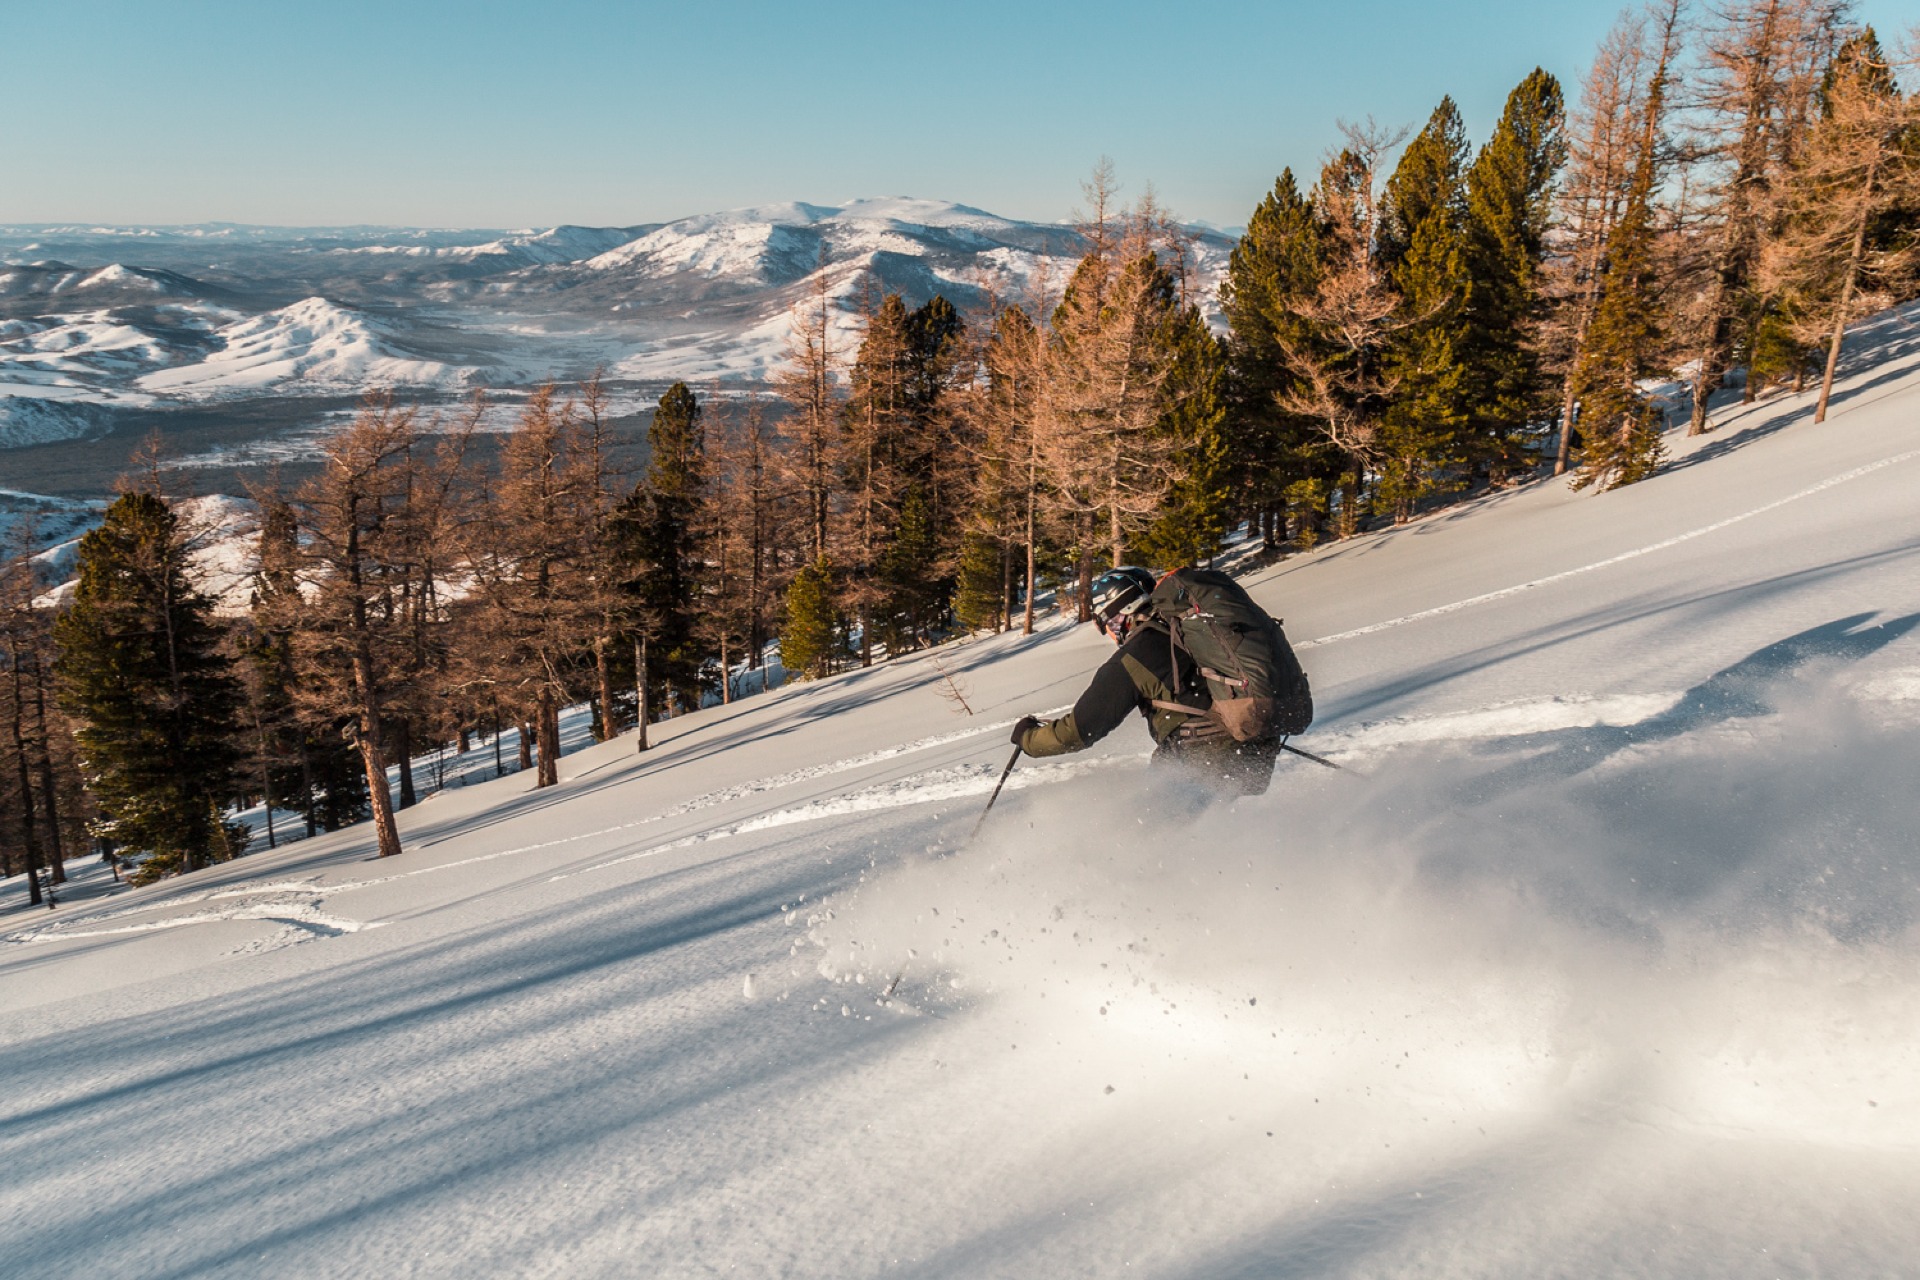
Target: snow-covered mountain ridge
(220, 318)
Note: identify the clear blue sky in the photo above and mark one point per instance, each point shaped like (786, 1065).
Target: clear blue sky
(425, 112)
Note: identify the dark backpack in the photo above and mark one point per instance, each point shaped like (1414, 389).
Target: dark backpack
(1258, 688)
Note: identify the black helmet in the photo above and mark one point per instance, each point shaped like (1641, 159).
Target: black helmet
(1121, 593)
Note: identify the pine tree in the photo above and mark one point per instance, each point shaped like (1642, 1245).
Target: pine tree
(1848, 233)
(979, 602)
(309, 759)
(1338, 357)
(43, 802)
(1426, 185)
(808, 640)
(666, 546)
(351, 644)
(1509, 207)
(1760, 63)
(1421, 435)
(915, 592)
(1192, 523)
(532, 565)
(1109, 462)
(1624, 342)
(879, 453)
(140, 666)
(744, 523)
(1007, 406)
(936, 363)
(1276, 454)
(1601, 149)
(807, 382)
(1424, 250)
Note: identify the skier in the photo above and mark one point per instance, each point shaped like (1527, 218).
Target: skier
(1154, 672)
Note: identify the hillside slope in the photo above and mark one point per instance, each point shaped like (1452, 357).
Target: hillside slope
(1607, 962)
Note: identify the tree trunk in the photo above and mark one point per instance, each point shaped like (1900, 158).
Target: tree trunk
(1005, 621)
(1846, 300)
(547, 720)
(28, 831)
(403, 753)
(266, 774)
(306, 784)
(603, 673)
(49, 789)
(640, 686)
(1027, 626)
(526, 745)
(385, 831)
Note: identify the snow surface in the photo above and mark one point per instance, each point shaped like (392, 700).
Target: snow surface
(1601, 958)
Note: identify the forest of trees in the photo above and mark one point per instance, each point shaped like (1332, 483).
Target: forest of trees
(1424, 320)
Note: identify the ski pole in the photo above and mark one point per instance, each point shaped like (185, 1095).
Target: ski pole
(1012, 760)
(1308, 755)
(886, 992)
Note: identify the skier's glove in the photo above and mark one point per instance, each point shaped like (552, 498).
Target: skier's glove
(1024, 726)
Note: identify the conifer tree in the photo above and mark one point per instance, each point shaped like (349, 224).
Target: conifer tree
(1109, 462)
(1509, 207)
(807, 383)
(1010, 500)
(351, 646)
(914, 593)
(1624, 341)
(1426, 184)
(1602, 142)
(808, 640)
(1422, 432)
(979, 598)
(665, 548)
(1844, 238)
(1760, 69)
(1338, 359)
(744, 523)
(936, 361)
(531, 563)
(879, 452)
(310, 760)
(43, 801)
(1192, 523)
(1278, 456)
(141, 668)
(1423, 234)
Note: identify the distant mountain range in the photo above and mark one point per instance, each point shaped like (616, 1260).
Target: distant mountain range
(240, 343)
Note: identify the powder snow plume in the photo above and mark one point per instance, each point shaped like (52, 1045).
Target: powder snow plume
(1473, 965)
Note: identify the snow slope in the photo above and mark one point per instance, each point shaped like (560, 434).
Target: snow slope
(1601, 959)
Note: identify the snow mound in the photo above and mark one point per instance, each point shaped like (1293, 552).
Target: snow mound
(123, 277)
(318, 344)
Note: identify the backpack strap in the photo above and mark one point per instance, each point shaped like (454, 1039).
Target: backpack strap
(1199, 723)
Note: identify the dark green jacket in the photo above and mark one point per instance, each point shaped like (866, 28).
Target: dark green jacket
(1140, 673)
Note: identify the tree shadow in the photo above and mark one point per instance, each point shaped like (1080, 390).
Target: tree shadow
(1744, 690)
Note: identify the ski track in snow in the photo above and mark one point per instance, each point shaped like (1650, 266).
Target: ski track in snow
(1636, 553)
(920, 788)
(57, 931)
